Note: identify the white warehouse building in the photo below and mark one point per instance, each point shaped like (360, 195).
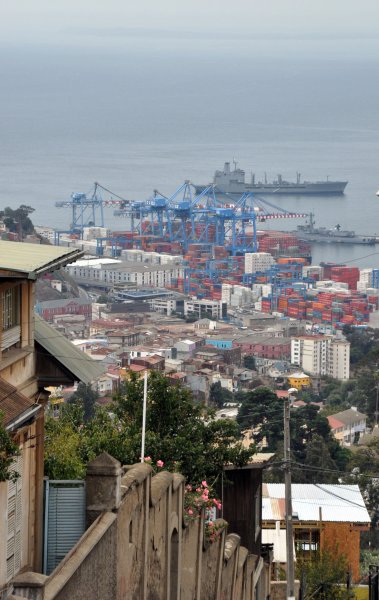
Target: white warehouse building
(106, 275)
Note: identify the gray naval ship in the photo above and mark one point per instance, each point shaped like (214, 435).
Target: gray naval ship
(233, 182)
(335, 235)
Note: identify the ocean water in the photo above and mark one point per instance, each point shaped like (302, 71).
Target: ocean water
(140, 115)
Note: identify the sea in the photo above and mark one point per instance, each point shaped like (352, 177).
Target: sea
(143, 113)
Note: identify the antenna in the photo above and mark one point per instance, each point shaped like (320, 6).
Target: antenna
(235, 163)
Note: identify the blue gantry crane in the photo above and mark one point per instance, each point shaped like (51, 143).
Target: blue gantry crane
(87, 210)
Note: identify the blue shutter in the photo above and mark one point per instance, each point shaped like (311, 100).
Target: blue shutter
(64, 520)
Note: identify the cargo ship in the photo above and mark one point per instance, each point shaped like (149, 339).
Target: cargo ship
(233, 182)
(335, 235)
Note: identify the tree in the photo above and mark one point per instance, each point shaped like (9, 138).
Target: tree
(181, 433)
(262, 411)
(322, 575)
(8, 452)
(318, 453)
(18, 220)
(86, 396)
(249, 362)
(63, 444)
(218, 395)
(362, 469)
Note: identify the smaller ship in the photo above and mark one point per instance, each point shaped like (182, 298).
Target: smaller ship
(335, 235)
(233, 182)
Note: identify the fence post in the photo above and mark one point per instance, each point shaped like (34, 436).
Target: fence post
(103, 486)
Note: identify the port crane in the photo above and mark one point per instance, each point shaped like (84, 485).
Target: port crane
(184, 217)
(87, 210)
(204, 218)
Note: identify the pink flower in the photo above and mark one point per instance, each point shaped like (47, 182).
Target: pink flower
(189, 488)
(210, 524)
(206, 492)
(147, 459)
(215, 501)
(204, 484)
(199, 490)
(219, 506)
(204, 497)
(190, 511)
(160, 463)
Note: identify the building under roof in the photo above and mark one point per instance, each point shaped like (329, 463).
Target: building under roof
(15, 406)
(350, 416)
(315, 502)
(62, 355)
(32, 260)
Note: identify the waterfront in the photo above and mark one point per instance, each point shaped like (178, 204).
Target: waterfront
(146, 127)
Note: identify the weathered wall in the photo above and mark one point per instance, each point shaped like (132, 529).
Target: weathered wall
(138, 547)
(344, 539)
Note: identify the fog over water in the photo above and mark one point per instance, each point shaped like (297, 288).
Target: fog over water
(142, 108)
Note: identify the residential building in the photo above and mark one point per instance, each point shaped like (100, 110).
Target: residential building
(322, 355)
(339, 359)
(221, 342)
(107, 276)
(348, 425)
(185, 347)
(205, 324)
(212, 308)
(277, 348)
(325, 516)
(33, 356)
(299, 381)
(66, 306)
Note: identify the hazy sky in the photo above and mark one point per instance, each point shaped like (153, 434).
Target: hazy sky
(61, 21)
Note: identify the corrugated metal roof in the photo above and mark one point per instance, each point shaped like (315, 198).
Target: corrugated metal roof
(32, 260)
(12, 402)
(77, 362)
(338, 503)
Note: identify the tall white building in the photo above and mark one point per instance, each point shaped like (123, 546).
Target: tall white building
(258, 262)
(322, 355)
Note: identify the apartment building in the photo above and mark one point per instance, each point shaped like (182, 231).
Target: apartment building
(322, 355)
(258, 261)
(106, 276)
(213, 308)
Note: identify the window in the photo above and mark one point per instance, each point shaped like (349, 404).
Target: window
(14, 522)
(11, 307)
(10, 317)
(306, 542)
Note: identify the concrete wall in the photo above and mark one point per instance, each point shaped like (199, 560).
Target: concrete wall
(138, 546)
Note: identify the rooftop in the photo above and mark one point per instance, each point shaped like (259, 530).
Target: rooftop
(31, 260)
(349, 416)
(315, 502)
(13, 403)
(74, 360)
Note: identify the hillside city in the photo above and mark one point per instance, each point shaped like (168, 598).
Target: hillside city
(86, 338)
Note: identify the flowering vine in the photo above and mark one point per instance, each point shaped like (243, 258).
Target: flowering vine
(195, 500)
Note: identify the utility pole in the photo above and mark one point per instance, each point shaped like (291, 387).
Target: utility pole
(144, 405)
(288, 503)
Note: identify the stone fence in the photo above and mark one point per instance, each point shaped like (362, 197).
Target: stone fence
(139, 547)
